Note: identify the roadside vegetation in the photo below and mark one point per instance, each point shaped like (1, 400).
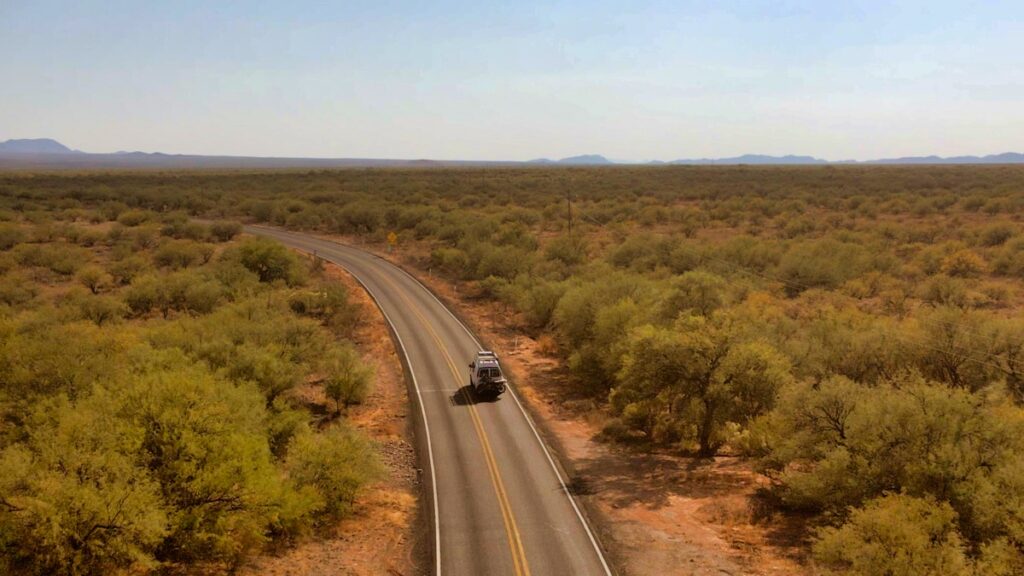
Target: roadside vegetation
(149, 370)
(855, 331)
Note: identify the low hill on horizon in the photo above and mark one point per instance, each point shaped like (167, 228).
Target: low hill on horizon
(49, 153)
(34, 146)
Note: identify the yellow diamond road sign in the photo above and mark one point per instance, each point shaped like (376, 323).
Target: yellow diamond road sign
(392, 238)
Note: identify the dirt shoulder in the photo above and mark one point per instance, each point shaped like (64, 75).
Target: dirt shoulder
(379, 537)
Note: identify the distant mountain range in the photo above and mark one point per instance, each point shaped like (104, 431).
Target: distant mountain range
(49, 153)
(34, 146)
(584, 160)
(754, 159)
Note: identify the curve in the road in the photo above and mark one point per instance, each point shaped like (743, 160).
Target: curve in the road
(514, 514)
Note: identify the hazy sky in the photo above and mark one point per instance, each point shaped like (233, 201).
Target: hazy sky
(631, 80)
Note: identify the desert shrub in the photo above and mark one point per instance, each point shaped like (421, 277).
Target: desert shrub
(896, 535)
(964, 264)
(943, 290)
(102, 310)
(193, 294)
(132, 218)
(329, 303)
(183, 229)
(250, 341)
(1009, 260)
(63, 259)
(125, 270)
(94, 278)
(267, 366)
(143, 295)
(692, 382)
(346, 379)
(956, 346)
(996, 234)
(359, 218)
(86, 238)
(450, 261)
(840, 444)
(853, 344)
(503, 262)
(75, 499)
(54, 358)
(205, 444)
(307, 219)
(144, 237)
(10, 235)
(178, 254)
(270, 261)
(335, 464)
(567, 250)
(821, 264)
(695, 292)
(643, 252)
(538, 302)
(225, 230)
(16, 289)
(183, 291)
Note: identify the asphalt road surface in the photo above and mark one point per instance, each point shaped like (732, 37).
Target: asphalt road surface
(500, 504)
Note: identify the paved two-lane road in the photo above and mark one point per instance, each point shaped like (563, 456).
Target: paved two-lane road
(499, 504)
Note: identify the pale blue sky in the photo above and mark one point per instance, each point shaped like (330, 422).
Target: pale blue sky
(491, 80)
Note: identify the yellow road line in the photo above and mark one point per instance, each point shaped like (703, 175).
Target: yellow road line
(494, 462)
(521, 566)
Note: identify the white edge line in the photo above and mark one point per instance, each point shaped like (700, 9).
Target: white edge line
(551, 461)
(423, 412)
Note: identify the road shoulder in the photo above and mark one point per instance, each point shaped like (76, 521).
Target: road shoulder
(379, 538)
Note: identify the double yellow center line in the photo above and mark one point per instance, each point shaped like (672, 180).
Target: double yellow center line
(515, 543)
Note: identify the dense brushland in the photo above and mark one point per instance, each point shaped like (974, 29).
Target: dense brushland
(855, 331)
(147, 371)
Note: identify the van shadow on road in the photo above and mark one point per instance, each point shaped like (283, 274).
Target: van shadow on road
(465, 396)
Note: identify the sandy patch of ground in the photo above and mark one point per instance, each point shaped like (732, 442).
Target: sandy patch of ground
(378, 538)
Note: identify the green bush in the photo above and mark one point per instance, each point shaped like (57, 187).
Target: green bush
(94, 278)
(10, 235)
(690, 383)
(75, 500)
(821, 264)
(895, 535)
(695, 292)
(178, 254)
(270, 261)
(996, 234)
(451, 261)
(336, 464)
(206, 445)
(132, 218)
(346, 379)
(16, 289)
(224, 230)
(102, 310)
(183, 291)
(63, 259)
(840, 444)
